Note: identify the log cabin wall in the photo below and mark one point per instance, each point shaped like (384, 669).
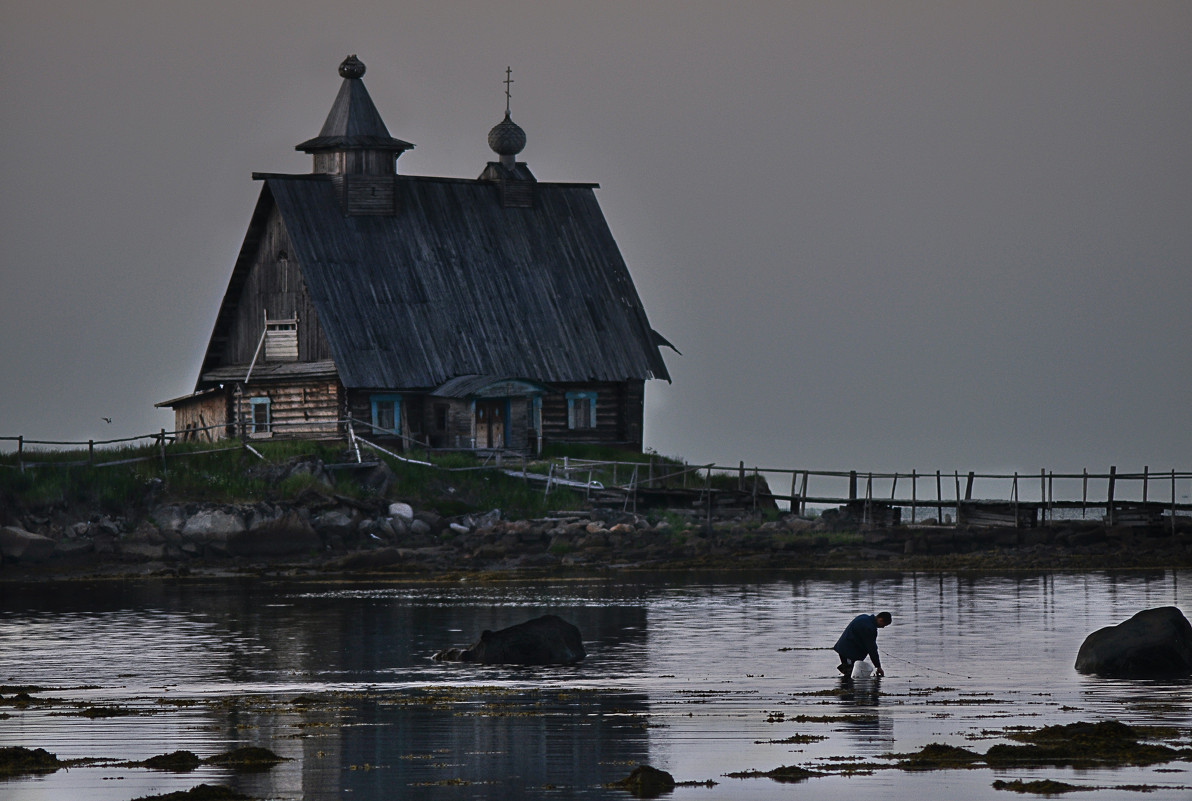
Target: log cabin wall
(194, 415)
(359, 408)
(619, 412)
(274, 286)
(306, 409)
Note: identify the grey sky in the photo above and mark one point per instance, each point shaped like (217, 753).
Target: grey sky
(886, 236)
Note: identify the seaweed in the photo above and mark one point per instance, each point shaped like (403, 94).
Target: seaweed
(935, 756)
(19, 761)
(178, 761)
(204, 792)
(1108, 743)
(786, 774)
(1038, 787)
(645, 782)
(248, 759)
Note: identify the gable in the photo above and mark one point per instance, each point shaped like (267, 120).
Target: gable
(266, 287)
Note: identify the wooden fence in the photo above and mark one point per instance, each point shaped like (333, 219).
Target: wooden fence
(864, 498)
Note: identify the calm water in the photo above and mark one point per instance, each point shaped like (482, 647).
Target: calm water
(699, 678)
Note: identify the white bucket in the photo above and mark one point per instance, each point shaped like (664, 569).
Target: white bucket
(862, 670)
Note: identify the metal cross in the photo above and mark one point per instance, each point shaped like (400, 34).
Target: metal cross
(508, 80)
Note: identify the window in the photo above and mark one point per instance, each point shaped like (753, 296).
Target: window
(258, 422)
(281, 341)
(386, 414)
(581, 410)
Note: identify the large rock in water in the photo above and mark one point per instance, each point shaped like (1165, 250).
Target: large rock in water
(546, 640)
(1153, 643)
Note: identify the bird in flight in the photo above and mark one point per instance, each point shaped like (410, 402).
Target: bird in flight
(106, 419)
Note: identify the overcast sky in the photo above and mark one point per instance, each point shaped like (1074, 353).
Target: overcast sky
(885, 235)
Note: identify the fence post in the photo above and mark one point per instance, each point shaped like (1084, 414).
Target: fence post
(914, 494)
(939, 499)
(90, 453)
(894, 487)
(162, 443)
(1051, 496)
(803, 495)
(755, 489)
(1146, 474)
(21, 455)
(1043, 493)
(741, 477)
(1109, 515)
(1173, 503)
(957, 521)
(650, 475)
(852, 485)
(1084, 498)
(708, 492)
(968, 487)
(1014, 492)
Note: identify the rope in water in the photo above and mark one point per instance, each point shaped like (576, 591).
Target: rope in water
(924, 667)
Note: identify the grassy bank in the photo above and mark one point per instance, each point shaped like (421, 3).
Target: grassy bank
(119, 481)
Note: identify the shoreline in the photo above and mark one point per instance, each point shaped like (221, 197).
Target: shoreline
(333, 536)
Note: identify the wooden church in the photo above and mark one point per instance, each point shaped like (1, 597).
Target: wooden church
(444, 312)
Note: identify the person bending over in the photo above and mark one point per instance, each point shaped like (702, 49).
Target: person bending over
(860, 640)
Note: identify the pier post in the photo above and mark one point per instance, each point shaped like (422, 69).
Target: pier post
(1173, 503)
(939, 499)
(1109, 515)
(1084, 498)
(914, 494)
(852, 485)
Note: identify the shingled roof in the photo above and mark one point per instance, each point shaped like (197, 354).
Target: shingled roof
(455, 284)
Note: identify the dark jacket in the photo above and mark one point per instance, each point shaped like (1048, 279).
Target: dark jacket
(859, 640)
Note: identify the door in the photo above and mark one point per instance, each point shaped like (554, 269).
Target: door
(490, 423)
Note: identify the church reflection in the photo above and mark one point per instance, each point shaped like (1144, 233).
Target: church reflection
(501, 732)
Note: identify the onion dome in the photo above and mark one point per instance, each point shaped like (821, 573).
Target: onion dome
(351, 67)
(506, 138)
(353, 122)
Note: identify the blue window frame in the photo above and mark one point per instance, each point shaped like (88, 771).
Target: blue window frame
(259, 420)
(581, 410)
(386, 414)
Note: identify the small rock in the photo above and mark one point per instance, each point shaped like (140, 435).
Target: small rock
(402, 511)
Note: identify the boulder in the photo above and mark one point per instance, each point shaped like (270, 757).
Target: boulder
(337, 522)
(24, 546)
(1153, 643)
(546, 640)
(286, 533)
(212, 528)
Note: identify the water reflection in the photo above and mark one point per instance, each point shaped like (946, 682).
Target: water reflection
(699, 677)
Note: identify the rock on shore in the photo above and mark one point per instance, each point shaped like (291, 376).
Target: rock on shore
(325, 531)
